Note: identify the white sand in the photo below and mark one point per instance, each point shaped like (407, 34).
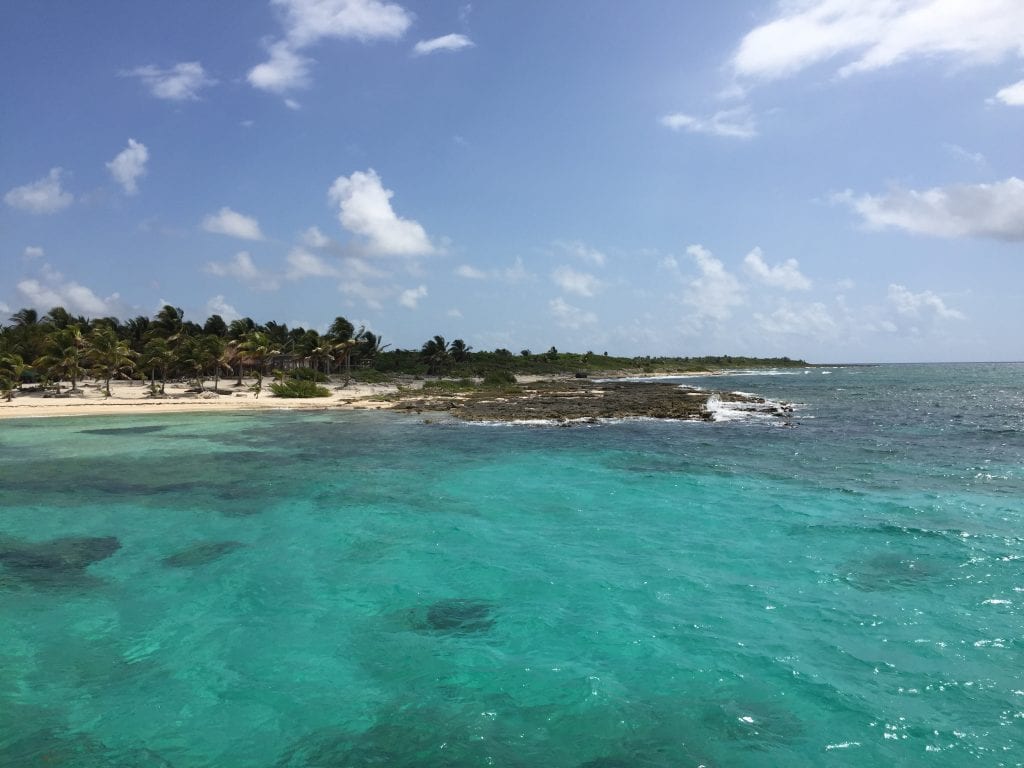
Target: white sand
(133, 397)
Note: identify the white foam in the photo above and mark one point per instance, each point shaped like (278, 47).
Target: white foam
(768, 410)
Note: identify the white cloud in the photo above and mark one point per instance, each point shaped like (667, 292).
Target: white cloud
(515, 274)
(977, 210)
(302, 263)
(729, 123)
(470, 272)
(571, 281)
(233, 224)
(4, 308)
(453, 312)
(218, 305)
(54, 291)
(453, 42)
(977, 158)
(411, 296)
(921, 304)
(43, 196)
(243, 268)
(583, 252)
(813, 320)
(371, 295)
(286, 70)
(365, 210)
(1012, 95)
(874, 34)
(314, 238)
(786, 275)
(33, 252)
(129, 166)
(307, 22)
(182, 82)
(715, 292)
(568, 316)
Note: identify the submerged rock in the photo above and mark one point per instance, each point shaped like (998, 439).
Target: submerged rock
(200, 554)
(122, 430)
(59, 562)
(459, 616)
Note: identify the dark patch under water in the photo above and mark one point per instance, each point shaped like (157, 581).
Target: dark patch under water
(141, 430)
(459, 616)
(59, 562)
(201, 553)
(52, 748)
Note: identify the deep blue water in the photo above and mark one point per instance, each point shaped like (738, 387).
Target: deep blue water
(349, 589)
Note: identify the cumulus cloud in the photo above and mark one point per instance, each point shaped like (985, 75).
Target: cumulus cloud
(53, 291)
(371, 295)
(43, 196)
(571, 281)
(568, 316)
(129, 166)
(1012, 95)
(302, 263)
(182, 82)
(515, 274)
(470, 272)
(923, 304)
(715, 292)
(307, 22)
(218, 305)
(365, 210)
(878, 34)
(729, 123)
(962, 210)
(786, 275)
(314, 238)
(813, 320)
(411, 296)
(285, 70)
(583, 252)
(33, 252)
(453, 42)
(453, 312)
(243, 268)
(233, 224)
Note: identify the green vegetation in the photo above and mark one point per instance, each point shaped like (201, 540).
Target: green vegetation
(58, 347)
(299, 388)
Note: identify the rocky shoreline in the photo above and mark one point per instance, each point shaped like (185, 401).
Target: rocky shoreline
(570, 400)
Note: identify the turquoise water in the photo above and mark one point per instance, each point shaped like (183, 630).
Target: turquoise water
(349, 589)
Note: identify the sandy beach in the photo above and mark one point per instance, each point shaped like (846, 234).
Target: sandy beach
(132, 397)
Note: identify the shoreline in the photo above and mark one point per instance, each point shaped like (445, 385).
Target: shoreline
(129, 398)
(561, 397)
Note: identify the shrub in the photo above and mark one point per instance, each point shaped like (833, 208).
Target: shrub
(499, 378)
(299, 389)
(448, 385)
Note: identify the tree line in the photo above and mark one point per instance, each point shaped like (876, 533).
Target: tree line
(59, 347)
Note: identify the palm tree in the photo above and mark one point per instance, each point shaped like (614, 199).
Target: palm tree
(258, 348)
(158, 354)
(109, 355)
(12, 366)
(459, 351)
(63, 355)
(435, 352)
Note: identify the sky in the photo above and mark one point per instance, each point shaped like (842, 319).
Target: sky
(832, 180)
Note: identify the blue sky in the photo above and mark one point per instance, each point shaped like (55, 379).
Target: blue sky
(838, 180)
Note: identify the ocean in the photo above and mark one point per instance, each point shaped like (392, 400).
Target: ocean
(840, 588)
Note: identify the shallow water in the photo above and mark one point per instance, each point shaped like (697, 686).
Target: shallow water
(334, 589)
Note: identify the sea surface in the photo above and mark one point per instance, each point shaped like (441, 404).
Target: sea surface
(843, 587)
